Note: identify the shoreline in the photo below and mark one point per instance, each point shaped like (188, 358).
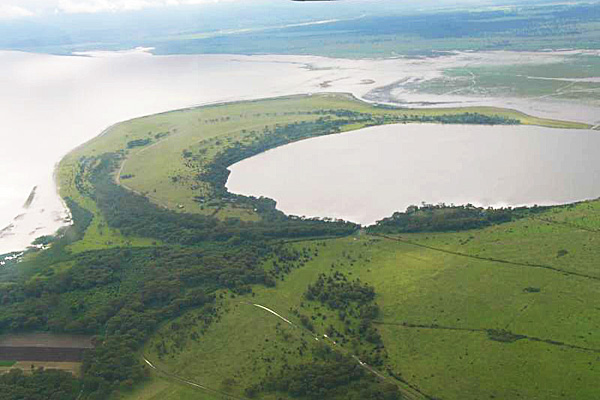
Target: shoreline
(308, 73)
(245, 173)
(295, 95)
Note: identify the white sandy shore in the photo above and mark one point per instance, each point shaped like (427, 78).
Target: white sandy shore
(51, 104)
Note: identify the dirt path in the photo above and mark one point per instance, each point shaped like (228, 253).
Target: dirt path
(407, 390)
(190, 383)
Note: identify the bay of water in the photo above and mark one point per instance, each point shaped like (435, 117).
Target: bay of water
(51, 104)
(364, 176)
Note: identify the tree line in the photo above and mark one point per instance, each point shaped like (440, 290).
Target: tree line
(443, 218)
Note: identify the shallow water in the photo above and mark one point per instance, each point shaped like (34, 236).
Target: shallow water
(366, 175)
(51, 104)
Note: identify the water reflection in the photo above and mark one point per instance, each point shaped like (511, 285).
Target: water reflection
(366, 175)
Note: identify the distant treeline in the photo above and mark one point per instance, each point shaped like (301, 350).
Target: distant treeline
(442, 218)
(462, 118)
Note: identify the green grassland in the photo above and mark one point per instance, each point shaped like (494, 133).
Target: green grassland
(437, 309)
(502, 311)
(7, 363)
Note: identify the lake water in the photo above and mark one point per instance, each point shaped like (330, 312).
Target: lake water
(51, 104)
(364, 176)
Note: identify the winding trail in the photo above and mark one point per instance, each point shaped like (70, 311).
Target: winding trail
(190, 383)
(408, 391)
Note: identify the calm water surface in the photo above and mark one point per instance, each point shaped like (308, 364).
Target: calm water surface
(366, 175)
(51, 104)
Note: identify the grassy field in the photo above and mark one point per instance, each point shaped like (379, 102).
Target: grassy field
(440, 309)
(501, 312)
(7, 363)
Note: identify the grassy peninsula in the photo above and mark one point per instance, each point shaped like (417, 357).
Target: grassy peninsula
(193, 292)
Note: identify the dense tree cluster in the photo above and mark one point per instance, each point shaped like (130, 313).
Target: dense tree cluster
(124, 294)
(354, 300)
(442, 218)
(330, 375)
(338, 293)
(136, 215)
(138, 143)
(39, 385)
(285, 259)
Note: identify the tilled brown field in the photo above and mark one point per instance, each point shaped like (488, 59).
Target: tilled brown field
(41, 354)
(44, 347)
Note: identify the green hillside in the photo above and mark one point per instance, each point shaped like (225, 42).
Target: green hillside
(197, 293)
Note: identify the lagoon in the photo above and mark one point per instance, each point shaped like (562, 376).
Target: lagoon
(366, 175)
(51, 104)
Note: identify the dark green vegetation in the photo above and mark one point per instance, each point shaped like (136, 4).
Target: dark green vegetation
(137, 216)
(7, 363)
(355, 305)
(333, 374)
(39, 385)
(443, 218)
(195, 289)
(330, 376)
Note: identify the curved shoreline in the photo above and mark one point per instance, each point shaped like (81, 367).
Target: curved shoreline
(349, 95)
(272, 75)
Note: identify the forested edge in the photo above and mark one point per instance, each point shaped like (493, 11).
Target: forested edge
(445, 218)
(134, 214)
(216, 172)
